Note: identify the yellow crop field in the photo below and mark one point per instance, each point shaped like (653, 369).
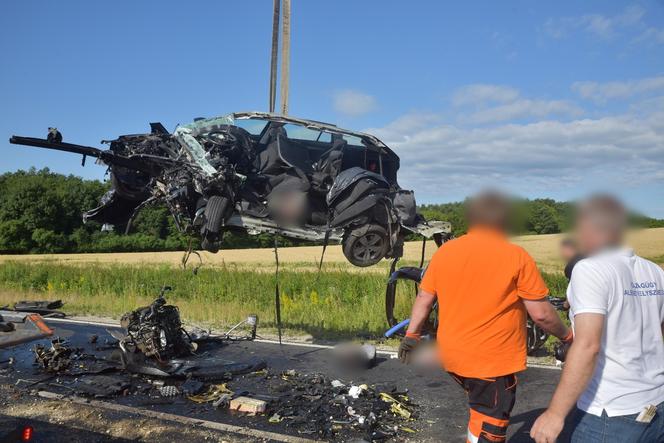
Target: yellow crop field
(544, 248)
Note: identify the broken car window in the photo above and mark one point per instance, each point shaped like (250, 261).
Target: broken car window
(303, 133)
(352, 140)
(251, 125)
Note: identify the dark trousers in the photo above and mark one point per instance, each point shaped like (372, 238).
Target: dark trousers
(490, 401)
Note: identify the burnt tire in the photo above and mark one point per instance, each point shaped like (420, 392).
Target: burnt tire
(366, 245)
(215, 214)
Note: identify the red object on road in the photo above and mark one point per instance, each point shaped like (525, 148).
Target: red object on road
(27, 433)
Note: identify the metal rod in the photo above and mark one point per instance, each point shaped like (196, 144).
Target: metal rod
(277, 291)
(274, 56)
(285, 55)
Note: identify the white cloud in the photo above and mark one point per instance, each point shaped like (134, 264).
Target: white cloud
(525, 109)
(602, 26)
(602, 92)
(353, 103)
(441, 160)
(481, 93)
(485, 103)
(651, 35)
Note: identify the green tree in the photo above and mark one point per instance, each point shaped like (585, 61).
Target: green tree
(543, 218)
(40, 211)
(48, 241)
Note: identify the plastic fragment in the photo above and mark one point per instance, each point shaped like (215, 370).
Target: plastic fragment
(396, 406)
(356, 391)
(213, 393)
(223, 400)
(276, 418)
(169, 391)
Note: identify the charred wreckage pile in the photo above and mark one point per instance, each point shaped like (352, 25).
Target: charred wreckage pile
(260, 173)
(156, 359)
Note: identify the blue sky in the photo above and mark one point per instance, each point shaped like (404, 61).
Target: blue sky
(546, 99)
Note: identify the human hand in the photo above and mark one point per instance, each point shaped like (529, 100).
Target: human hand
(547, 427)
(561, 348)
(407, 346)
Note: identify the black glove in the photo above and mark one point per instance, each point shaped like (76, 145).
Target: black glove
(560, 350)
(407, 346)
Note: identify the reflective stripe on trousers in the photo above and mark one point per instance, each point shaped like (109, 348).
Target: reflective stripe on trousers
(483, 428)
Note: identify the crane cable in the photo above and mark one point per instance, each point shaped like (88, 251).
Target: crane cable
(277, 296)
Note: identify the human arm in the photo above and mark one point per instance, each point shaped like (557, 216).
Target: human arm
(546, 317)
(578, 370)
(419, 314)
(533, 292)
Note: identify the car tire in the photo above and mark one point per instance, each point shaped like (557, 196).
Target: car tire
(215, 214)
(366, 245)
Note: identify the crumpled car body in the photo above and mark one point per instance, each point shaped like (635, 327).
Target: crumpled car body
(262, 173)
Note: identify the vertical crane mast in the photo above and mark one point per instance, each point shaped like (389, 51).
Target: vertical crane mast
(274, 56)
(280, 13)
(285, 55)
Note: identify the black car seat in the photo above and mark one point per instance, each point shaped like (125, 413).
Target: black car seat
(277, 164)
(269, 162)
(328, 165)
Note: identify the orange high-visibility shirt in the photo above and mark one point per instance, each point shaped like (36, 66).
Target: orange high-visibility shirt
(480, 280)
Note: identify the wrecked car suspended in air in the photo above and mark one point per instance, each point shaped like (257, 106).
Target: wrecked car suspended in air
(260, 173)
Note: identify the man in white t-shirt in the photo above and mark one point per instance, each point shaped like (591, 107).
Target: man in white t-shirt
(614, 370)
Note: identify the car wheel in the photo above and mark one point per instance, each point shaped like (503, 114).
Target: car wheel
(366, 245)
(215, 212)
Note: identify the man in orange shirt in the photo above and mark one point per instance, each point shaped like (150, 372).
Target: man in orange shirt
(484, 286)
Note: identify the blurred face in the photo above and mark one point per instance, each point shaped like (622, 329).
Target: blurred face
(568, 251)
(489, 209)
(592, 238)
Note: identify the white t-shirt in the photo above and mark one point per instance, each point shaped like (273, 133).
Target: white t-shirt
(629, 291)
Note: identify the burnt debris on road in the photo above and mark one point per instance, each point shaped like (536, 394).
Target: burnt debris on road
(153, 360)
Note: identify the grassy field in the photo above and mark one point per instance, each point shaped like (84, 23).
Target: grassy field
(341, 301)
(333, 304)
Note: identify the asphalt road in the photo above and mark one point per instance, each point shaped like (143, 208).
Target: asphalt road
(442, 403)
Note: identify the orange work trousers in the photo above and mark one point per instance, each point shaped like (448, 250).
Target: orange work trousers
(490, 401)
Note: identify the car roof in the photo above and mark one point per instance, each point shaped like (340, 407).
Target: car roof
(313, 124)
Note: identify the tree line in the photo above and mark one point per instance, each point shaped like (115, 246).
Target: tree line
(40, 212)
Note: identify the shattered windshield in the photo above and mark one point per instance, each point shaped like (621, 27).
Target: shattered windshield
(253, 126)
(207, 122)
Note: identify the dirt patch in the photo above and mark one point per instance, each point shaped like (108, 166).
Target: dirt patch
(71, 418)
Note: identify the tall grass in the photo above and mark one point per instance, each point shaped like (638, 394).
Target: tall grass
(333, 304)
